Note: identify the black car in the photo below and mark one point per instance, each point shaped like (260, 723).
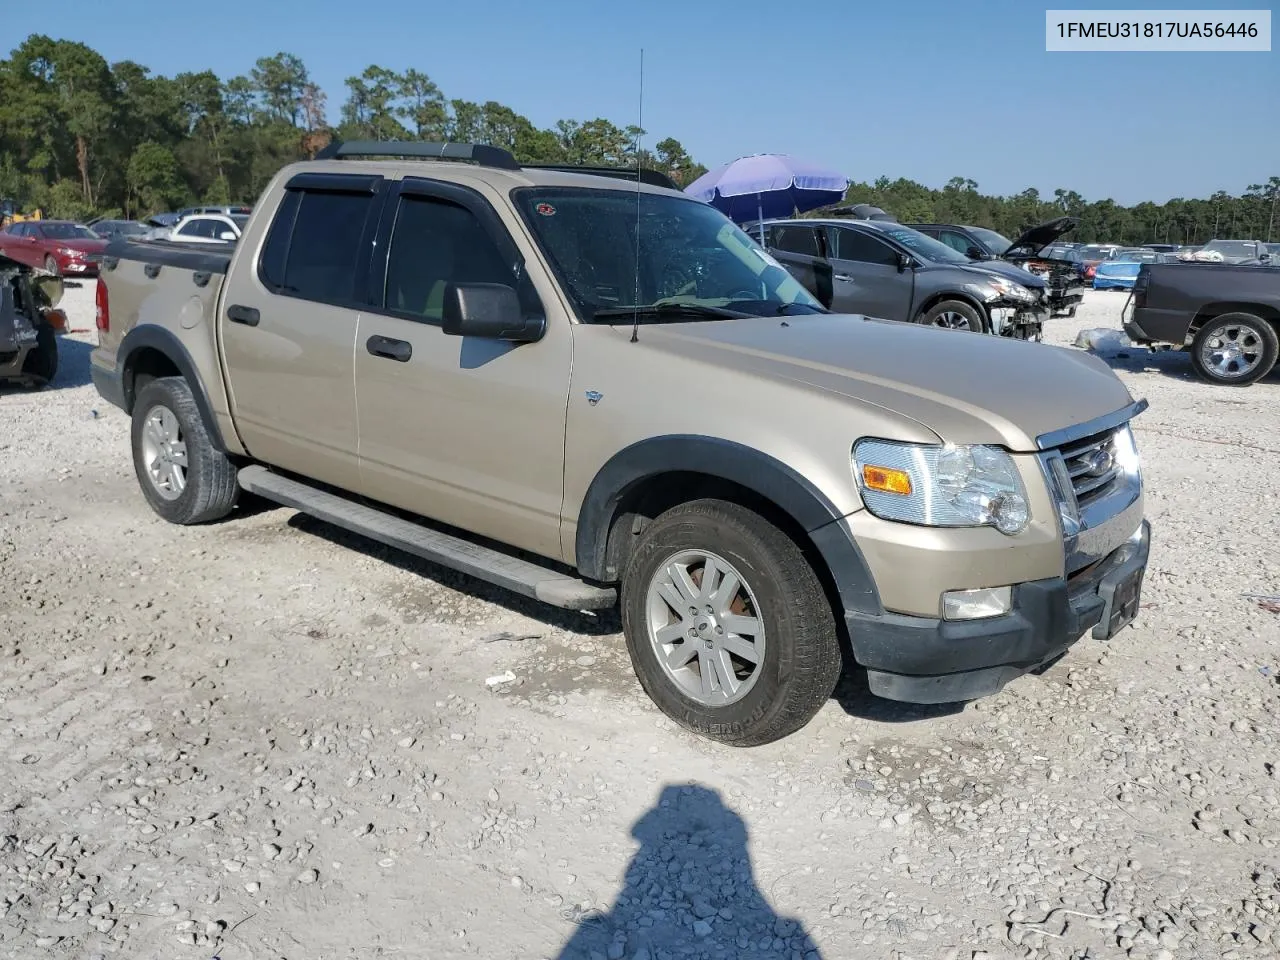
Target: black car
(1035, 250)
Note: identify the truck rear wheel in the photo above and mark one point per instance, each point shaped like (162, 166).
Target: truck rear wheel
(953, 315)
(185, 479)
(729, 629)
(1235, 349)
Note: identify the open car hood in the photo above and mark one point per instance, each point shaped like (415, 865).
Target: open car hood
(1031, 242)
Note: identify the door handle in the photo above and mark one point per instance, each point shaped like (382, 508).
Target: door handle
(247, 315)
(842, 276)
(400, 350)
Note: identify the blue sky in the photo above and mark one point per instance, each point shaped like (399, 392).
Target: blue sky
(926, 90)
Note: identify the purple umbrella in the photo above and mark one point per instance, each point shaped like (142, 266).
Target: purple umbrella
(768, 185)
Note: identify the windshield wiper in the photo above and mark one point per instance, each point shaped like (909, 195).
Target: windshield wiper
(696, 311)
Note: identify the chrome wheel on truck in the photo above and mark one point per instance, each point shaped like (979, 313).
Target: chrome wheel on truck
(1235, 349)
(164, 452)
(729, 629)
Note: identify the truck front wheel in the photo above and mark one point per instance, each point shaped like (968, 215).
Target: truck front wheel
(729, 629)
(185, 479)
(1235, 349)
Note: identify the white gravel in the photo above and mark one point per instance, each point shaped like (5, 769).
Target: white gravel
(266, 739)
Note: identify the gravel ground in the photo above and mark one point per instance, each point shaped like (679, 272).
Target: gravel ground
(267, 739)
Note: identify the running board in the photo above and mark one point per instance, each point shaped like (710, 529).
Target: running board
(519, 576)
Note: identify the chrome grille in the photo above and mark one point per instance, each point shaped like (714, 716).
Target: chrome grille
(1091, 465)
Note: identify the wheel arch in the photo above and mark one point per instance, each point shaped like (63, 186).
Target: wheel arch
(648, 477)
(149, 352)
(1211, 311)
(964, 298)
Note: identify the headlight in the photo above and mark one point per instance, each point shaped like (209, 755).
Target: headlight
(1010, 289)
(942, 486)
(68, 252)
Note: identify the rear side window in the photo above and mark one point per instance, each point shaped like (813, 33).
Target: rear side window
(314, 245)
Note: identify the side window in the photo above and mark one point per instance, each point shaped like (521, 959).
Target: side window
(793, 238)
(18, 229)
(434, 243)
(855, 245)
(313, 248)
(956, 241)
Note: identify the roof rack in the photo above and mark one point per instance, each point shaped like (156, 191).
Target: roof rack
(481, 153)
(655, 178)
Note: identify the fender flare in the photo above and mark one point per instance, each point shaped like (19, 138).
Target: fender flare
(151, 336)
(767, 477)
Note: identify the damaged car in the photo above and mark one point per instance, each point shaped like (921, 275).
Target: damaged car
(1033, 250)
(29, 324)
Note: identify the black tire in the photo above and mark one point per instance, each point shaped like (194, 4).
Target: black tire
(210, 490)
(1248, 331)
(934, 316)
(41, 364)
(51, 266)
(801, 662)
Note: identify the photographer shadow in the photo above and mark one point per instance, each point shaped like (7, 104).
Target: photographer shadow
(689, 888)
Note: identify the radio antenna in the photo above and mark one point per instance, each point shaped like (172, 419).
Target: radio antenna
(635, 320)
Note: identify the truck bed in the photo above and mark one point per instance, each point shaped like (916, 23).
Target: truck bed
(196, 257)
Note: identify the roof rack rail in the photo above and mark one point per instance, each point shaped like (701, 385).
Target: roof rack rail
(481, 153)
(655, 178)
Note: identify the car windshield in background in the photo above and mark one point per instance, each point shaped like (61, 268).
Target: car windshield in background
(1138, 256)
(692, 261)
(925, 246)
(1232, 248)
(997, 244)
(1096, 253)
(67, 231)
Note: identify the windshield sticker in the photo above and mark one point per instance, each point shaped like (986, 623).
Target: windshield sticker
(546, 210)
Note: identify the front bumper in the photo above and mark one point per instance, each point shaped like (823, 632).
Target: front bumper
(924, 660)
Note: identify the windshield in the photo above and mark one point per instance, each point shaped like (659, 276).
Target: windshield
(67, 231)
(925, 246)
(240, 219)
(689, 254)
(1232, 248)
(997, 244)
(1096, 253)
(1137, 256)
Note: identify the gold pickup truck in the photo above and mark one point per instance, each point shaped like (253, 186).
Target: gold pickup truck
(593, 390)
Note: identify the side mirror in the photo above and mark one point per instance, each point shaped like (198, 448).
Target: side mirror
(904, 263)
(226, 235)
(973, 253)
(488, 310)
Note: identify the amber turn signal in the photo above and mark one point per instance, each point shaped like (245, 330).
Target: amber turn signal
(886, 480)
(56, 319)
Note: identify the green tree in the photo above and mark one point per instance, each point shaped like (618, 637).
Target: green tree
(154, 183)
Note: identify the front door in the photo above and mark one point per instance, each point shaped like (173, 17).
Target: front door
(866, 276)
(466, 431)
(289, 316)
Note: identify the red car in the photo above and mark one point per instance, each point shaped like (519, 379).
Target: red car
(63, 247)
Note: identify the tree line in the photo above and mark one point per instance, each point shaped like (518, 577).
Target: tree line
(81, 137)
(1254, 215)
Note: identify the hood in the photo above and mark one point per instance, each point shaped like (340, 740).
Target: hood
(1009, 271)
(1041, 235)
(964, 387)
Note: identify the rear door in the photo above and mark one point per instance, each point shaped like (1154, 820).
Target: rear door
(867, 278)
(801, 249)
(290, 312)
(467, 431)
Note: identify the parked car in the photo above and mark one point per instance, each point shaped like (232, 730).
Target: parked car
(989, 247)
(528, 315)
(225, 210)
(1162, 247)
(1227, 316)
(884, 269)
(209, 228)
(1092, 254)
(61, 247)
(110, 229)
(1236, 251)
(29, 324)
(1120, 272)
